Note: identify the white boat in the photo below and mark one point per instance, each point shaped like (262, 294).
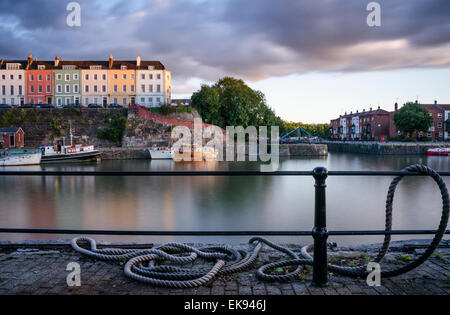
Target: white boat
(210, 153)
(25, 158)
(161, 153)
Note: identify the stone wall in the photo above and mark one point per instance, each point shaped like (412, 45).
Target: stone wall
(382, 148)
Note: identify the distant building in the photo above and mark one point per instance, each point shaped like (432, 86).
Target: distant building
(183, 102)
(39, 81)
(67, 82)
(11, 137)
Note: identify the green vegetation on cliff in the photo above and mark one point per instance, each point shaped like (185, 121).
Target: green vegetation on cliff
(115, 126)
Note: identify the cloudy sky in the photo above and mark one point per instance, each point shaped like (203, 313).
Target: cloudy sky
(313, 59)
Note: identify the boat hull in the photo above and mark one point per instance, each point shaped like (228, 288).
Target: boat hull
(439, 152)
(160, 154)
(72, 157)
(21, 159)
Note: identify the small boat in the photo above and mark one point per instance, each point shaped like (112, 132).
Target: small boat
(439, 151)
(60, 153)
(160, 153)
(20, 158)
(197, 153)
(210, 153)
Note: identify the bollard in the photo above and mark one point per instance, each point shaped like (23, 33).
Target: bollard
(320, 232)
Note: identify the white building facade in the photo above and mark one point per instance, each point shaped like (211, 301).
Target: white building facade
(153, 84)
(12, 83)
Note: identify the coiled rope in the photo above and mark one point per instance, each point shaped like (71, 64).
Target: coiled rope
(142, 265)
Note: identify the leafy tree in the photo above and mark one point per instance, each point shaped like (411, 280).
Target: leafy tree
(230, 102)
(413, 117)
(116, 124)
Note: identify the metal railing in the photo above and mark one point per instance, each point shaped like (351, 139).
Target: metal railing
(319, 232)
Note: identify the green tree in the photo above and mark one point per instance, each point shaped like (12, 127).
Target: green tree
(230, 102)
(413, 117)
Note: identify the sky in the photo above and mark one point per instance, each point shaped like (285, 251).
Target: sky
(313, 60)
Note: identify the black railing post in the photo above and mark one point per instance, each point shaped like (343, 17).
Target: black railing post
(320, 232)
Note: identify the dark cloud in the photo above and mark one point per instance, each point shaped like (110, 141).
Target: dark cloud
(253, 39)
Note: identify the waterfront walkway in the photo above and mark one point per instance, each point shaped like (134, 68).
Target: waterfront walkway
(42, 270)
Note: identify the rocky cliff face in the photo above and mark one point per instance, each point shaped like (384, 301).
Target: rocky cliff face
(42, 126)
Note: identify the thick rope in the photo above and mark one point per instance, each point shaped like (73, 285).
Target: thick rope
(142, 264)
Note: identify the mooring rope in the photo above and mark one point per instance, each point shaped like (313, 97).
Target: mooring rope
(142, 264)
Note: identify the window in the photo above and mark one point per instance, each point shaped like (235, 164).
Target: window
(4, 90)
(115, 100)
(86, 77)
(40, 101)
(68, 67)
(3, 77)
(95, 77)
(115, 76)
(439, 115)
(151, 88)
(104, 77)
(31, 89)
(95, 89)
(142, 100)
(41, 67)
(86, 88)
(75, 88)
(95, 67)
(439, 125)
(40, 88)
(429, 134)
(158, 100)
(31, 77)
(124, 76)
(32, 101)
(95, 100)
(440, 134)
(20, 90)
(40, 77)
(132, 88)
(20, 77)
(104, 88)
(143, 88)
(67, 101)
(123, 67)
(48, 88)
(151, 76)
(12, 66)
(86, 101)
(150, 100)
(159, 77)
(115, 88)
(75, 76)
(12, 89)
(124, 101)
(143, 76)
(132, 76)
(158, 88)
(59, 76)
(124, 88)
(67, 78)
(11, 76)
(59, 88)
(151, 67)
(59, 101)
(48, 77)
(67, 88)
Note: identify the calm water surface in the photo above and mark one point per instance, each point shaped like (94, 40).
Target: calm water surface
(219, 203)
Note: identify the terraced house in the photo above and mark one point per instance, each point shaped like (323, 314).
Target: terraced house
(67, 82)
(94, 82)
(60, 82)
(39, 81)
(12, 82)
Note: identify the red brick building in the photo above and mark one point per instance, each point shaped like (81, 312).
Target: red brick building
(439, 131)
(11, 138)
(365, 125)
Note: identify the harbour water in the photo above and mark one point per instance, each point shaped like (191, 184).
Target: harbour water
(219, 203)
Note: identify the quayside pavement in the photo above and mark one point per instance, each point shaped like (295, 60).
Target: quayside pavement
(41, 270)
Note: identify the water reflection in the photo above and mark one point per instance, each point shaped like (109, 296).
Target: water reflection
(222, 203)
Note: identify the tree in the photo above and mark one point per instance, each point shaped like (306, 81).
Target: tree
(230, 102)
(413, 117)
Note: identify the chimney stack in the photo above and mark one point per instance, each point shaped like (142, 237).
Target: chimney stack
(56, 61)
(396, 107)
(371, 109)
(111, 61)
(379, 107)
(29, 61)
(138, 61)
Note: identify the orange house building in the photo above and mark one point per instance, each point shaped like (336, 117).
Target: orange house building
(39, 82)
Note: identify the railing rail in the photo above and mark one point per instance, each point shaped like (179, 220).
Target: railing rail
(319, 232)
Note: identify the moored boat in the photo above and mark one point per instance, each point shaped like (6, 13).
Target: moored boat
(20, 158)
(439, 151)
(160, 153)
